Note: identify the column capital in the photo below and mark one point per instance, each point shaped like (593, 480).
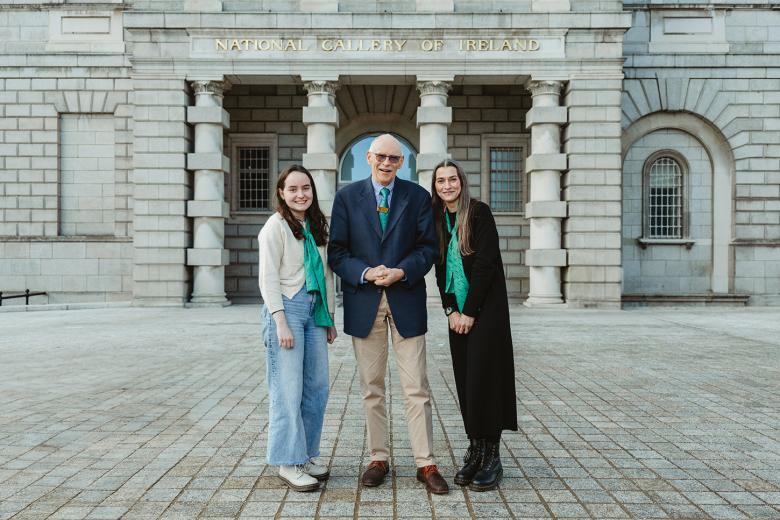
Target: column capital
(440, 88)
(210, 87)
(545, 87)
(321, 87)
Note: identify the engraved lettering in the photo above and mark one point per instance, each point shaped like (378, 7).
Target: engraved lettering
(376, 45)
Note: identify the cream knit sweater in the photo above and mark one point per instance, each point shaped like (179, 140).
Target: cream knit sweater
(281, 265)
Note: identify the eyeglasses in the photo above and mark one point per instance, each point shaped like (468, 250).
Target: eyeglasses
(392, 159)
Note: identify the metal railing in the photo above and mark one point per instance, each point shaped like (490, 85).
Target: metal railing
(26, 296)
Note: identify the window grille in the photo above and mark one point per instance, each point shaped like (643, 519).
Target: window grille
(665, 199)
(254, 178)
(505, 178)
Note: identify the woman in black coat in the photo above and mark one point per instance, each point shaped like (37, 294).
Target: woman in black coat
(470, 276)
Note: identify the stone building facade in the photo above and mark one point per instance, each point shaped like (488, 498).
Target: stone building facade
(630, 149)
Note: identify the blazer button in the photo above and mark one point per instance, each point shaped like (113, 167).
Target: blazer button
(379, 291)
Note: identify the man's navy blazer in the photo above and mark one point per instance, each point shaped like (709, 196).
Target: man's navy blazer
(357, 242)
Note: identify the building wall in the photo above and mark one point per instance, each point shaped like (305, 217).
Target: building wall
(276, 109)
(492, 110)
(728, 79)
(47, 195)
(380, 6)
(668, 269)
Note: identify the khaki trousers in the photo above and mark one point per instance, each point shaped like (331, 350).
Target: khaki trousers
(371, 355)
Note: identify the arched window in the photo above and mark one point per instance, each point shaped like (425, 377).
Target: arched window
(664, 175)
(353, 166)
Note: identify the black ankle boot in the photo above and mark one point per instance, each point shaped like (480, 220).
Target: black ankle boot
(490, 471)
(472, 460)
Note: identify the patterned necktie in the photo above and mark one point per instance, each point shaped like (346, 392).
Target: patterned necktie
(383, 209)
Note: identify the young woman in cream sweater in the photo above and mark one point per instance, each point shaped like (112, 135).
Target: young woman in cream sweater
(298, 291)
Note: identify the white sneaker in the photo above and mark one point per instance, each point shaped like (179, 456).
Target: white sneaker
(296, 478)
(318, 471)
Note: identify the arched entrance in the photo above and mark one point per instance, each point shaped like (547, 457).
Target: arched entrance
(352, 161)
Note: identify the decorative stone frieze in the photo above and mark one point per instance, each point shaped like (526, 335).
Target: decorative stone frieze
(210, 88)
(321, 87)
(428, 88)
(545, 88)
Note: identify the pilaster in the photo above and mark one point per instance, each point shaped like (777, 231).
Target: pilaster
(592, 190)
(161, 186)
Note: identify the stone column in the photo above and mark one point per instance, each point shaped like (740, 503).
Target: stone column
(321, 118)
(545, 209)
(208, 208)
(433, 118)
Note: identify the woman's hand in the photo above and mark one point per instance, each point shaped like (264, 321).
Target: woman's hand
(332, 335)
(466, 323)
(453, 318)
(283, 332)
(460, 323)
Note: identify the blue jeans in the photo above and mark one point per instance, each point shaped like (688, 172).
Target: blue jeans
(297, 383)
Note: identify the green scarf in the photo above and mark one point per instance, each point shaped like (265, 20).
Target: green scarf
(315, 278)
(457, 283)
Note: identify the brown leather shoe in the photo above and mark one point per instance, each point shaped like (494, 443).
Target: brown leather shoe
(375, 473)
(434, 482)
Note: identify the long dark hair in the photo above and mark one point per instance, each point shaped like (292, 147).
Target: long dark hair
(465, 209)
(319, 224)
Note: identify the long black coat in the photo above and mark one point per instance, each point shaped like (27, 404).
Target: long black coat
(482, 360)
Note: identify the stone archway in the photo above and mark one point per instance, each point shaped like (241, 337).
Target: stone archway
(723, 170)
(367, 123)
(377, 108)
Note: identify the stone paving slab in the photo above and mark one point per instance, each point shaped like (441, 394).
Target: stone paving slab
(162, 413)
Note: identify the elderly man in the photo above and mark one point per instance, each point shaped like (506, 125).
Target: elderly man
(382, 243)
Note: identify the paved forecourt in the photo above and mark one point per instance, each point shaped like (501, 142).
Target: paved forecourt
(146, 413)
